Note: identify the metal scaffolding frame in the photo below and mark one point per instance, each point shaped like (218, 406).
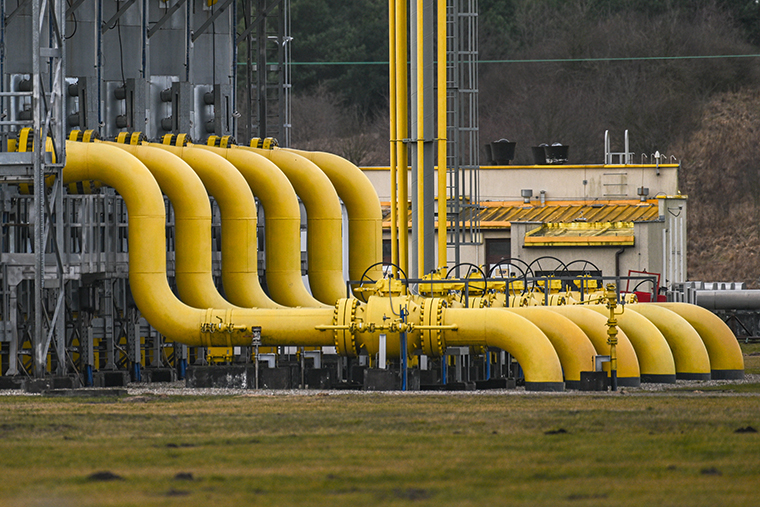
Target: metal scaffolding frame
(266, 86)
(463, 136)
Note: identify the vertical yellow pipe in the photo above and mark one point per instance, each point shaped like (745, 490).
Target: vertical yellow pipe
(392, 130)
(442, 126)
(420, 141)
(402, 132)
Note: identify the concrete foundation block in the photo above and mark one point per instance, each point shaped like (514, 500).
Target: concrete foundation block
(220, 377)
(275, 378)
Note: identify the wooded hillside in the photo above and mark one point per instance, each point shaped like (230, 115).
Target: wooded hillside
(674, 73)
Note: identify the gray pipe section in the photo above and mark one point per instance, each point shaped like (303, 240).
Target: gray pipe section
(728, 299)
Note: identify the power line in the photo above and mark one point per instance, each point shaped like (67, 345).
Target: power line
(561, 60)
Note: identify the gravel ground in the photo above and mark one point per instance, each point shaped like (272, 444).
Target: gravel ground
(178, 389)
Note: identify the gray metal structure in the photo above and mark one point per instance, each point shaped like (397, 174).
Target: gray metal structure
(105, 66)
(264, 87)
(463, 135)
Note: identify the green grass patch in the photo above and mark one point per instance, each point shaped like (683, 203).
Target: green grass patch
(379, 449)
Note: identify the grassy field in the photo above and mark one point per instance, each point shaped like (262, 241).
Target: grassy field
(381, 449)
(679, 447)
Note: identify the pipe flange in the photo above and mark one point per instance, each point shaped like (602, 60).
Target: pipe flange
(133, 138)
(343, 316)
(84, 136)
(176, 139)
(268, 143)
(431, 314)
(221, 141)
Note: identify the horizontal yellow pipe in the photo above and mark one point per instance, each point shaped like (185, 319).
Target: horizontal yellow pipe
(513, 333)
(147, 264)
(324, 219)
(652, 350)
(192, 224)
(726, 359)
(595, 327)
(575, 351)
(240, 276)
(365, 217)
(689, 352)
(282, 218)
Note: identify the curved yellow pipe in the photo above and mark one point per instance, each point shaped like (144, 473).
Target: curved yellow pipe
(595, 327)
(147, 265)
(726, 360)
(652, 350)
(689, 352)
(240, 276)
(323, 222)
(575, 351)
(192, 224)
(282, 218)
(365, 217)
(510, 332)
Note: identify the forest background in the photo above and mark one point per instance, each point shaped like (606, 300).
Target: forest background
(682, 76)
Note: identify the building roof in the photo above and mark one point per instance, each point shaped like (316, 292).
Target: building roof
(500, 215)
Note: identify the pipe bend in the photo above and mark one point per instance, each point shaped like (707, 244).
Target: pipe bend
(575, 351)
(726, 359)
(193, 266)
(595, 327)
(282, 216)
(365, 216)
(324, 220)
(689, 353)
(510, 332)
(655, 357)
(224, 182)
(147, 263)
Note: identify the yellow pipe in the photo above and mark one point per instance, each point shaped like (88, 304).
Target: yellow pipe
(655, 358)
(192, 224)
(491, 327)
(726, 360)
(689, 352)
(365, 216)
(442, 133)
(594, 326)
(420, 141)
(393, 100)
(402, 133)
(323, 222)
(147, 265)
(282, 218)
(575, 351)
(224, 182)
